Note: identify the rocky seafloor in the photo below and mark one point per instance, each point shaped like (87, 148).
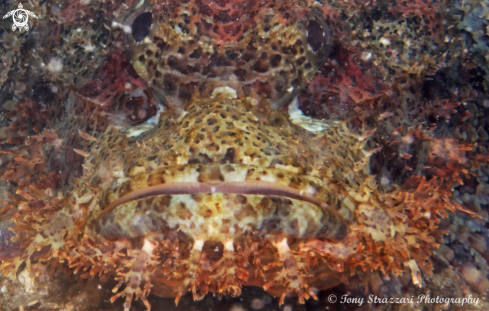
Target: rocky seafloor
(416, 71)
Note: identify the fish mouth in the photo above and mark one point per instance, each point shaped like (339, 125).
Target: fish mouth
(180, 197)
(218, 178)
(252, 187)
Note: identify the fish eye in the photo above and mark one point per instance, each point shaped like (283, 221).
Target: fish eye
(316, 36)
(141, 26)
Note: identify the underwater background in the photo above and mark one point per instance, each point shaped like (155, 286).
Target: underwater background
(382, 105)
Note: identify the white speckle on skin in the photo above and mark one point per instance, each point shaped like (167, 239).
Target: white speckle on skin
(288, 168)
(212, 229)
(148, 247)
(89, 47)
(366, 56)
(283, 246)
(311, 190)
(225, 91)
(415, 273)
(408, 139)
(192, 176)
(25, 279)
(118, 174)
(385, 41)
(269, 178)
(55, 65)
(238, 174)
(198, 245)
(126, 28)
(229, 246)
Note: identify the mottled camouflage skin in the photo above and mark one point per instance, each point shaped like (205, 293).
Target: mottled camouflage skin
(189, 161)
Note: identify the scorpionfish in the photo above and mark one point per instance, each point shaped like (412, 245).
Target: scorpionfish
(218, 180)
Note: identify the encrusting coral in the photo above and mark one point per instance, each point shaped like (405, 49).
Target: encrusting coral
(169, 147)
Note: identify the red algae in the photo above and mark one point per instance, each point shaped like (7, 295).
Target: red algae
(322, 148)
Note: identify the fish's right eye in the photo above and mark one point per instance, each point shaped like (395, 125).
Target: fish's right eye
(141, 26)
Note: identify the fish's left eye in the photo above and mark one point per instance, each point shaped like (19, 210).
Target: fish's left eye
(141, 26)
(315, 35)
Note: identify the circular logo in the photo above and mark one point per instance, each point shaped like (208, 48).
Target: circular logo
(332, 298)
(20, 18)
